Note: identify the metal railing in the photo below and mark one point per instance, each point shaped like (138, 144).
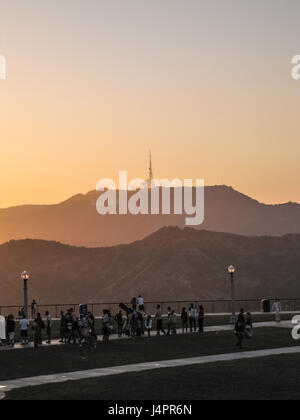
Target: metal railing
(210, 307)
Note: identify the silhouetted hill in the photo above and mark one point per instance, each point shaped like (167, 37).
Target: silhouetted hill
(171, 264)
(76, 221)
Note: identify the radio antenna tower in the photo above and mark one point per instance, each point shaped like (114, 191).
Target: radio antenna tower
(150, 180)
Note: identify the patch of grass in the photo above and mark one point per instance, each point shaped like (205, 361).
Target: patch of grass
(268, 378)
(68, 358)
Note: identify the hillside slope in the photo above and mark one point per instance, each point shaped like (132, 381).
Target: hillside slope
(171, 264)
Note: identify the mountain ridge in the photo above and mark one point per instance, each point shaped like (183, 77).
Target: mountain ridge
(75, 221)
(170, 264)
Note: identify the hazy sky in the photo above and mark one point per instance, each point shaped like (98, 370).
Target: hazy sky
(93, 84)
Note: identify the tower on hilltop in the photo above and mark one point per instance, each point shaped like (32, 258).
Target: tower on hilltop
(150, 179)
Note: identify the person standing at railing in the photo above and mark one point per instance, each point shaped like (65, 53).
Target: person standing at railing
(141, 303)
(173, 323)
(63, 327)
(91, 321)
(41, 328)
(134, 303)
(148, 325)
(169, 320)
(48, 327)
(33, 309)
(192, 318)
(11, 325)
(21, 313)
(107, 326)
(201, 316)
(24, 326)
(38, 326)
(184, 321)
(159, 321)
(36, 333)
(120, 323)
(277, 308)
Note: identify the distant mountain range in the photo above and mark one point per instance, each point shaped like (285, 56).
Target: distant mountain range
(171, 264)
(76, 221)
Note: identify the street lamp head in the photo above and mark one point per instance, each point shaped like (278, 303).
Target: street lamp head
(231, 269)
(25, 275)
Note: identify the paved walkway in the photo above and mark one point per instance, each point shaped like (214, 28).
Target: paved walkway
(7, 386)
(219, 328)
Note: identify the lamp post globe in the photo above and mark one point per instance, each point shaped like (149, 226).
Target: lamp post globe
(231, 269)
(25, 277)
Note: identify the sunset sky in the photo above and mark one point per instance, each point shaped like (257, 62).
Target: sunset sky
(92, 85)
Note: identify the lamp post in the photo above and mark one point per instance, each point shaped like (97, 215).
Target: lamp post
(25, 277)
(231, 271)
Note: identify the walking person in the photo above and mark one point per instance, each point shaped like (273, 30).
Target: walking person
(148, 325)
(11, 326)
(201, 316)
(48, 327)
(184, 321)
(249, 326)
(192, 318)
(277, 308)
(159, 321)
(24, 327)
(240, 329)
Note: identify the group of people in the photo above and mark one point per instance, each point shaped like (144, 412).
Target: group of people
(133, 322)
(137, 322)
(243, 327)
(192, 319)
(37, 326)
(244, 324)
(77, 329)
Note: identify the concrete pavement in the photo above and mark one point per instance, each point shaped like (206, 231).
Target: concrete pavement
(219, 328)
